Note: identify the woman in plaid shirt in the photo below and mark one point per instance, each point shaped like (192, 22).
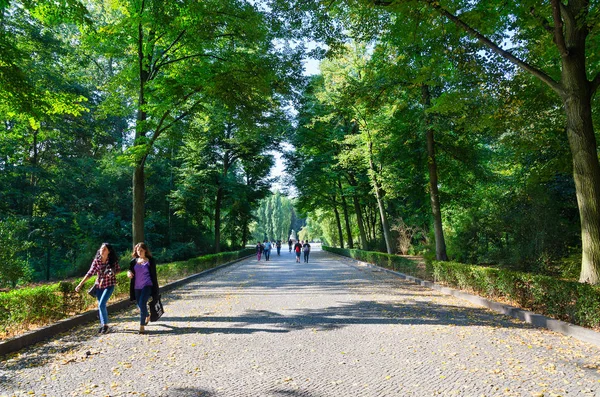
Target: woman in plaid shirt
(106, 266)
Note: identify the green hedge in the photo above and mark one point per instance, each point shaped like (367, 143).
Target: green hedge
(392, 262)
(22, 308)
(565, 300)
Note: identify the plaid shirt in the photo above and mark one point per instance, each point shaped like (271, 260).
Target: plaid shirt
(103, 280)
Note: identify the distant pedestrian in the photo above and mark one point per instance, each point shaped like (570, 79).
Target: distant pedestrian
(298, 250)
(259, 250)
(278, 246)
(290, 242)
(143, 284)
(267, 250)
(306, 250)
(105, 266)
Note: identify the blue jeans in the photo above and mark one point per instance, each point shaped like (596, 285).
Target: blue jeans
(267, 254)
(141, 297)
(306, 256)
(103, 295)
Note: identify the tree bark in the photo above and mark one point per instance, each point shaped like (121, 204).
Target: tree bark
(586, 173)
(436, 211)
(359, 217)
(389, 244)
(218, 218)
(139, 189)
(139, 183)
(218, 202)
(346, 217)
(338, 222)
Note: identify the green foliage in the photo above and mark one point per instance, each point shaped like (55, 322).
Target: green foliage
(273, 219)
(397, 263)
(13, 262)
(35, 306)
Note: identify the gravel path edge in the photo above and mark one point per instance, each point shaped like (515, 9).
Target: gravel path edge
(575, 331)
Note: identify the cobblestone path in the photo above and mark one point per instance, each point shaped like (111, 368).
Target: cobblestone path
(327, 328)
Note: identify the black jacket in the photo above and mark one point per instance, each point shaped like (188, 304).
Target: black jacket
(152, 269)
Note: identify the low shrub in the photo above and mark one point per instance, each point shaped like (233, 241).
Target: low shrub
(561, 299)
(23, 308)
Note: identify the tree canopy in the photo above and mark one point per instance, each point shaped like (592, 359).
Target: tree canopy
(443, 128)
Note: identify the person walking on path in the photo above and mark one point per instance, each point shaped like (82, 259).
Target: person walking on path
(267, 250)
(105, 266)
(259, 250)
(306, 250)
(290, 245)
(298, 250)
(144, 283)
(278, 246)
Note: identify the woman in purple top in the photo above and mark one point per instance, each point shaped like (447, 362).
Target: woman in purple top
(143, 284)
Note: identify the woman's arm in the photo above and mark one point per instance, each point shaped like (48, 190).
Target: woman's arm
(90, 273)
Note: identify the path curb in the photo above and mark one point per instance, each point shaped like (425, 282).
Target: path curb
(575, 331)
(48, 331)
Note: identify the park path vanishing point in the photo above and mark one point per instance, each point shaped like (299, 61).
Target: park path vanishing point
(331, 327)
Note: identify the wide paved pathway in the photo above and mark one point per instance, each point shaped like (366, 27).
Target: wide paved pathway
(327, 328)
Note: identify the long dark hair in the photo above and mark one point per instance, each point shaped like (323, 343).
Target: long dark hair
(144, 247)
(112, 254)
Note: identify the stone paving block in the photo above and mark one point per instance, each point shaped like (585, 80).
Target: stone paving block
(326, 328)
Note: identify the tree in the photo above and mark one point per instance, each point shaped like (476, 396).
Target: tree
(569, 31)
(13, 265)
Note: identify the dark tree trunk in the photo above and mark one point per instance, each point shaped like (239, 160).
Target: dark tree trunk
(359, 217)
(436, 211)
(389, 244)
(219, 202)
(346, 217)
(586, 173)
(139, 189)
(218, 218)
(139, 184)
(337, 221)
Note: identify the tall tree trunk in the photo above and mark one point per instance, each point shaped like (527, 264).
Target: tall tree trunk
(358, 211)
(244, 234)
(219, 201)
(139, 189)
(361, 224)
(338, 221)
(346, 217)
(586, 173)
(389, 244)
(369, 223)
(34, 174)
(436, 211)
(139, 184)
(218, 218)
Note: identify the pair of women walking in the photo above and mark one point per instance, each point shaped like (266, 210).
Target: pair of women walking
(143, 281)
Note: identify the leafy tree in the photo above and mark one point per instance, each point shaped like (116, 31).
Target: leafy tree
(13, 265)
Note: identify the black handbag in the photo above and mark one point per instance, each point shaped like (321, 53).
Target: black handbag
(156, 309)
(92, 291)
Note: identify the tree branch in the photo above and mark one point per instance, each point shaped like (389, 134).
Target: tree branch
(189, 57)
(160, 129)
(494, 47)
(559, 38)
(543, 21)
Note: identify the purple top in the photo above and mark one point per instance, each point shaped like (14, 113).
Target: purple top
(142, 275)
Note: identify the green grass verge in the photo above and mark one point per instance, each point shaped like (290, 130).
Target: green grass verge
(565, 300)
(24, 308)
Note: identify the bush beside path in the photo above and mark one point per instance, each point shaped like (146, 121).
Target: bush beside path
(331, 327)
